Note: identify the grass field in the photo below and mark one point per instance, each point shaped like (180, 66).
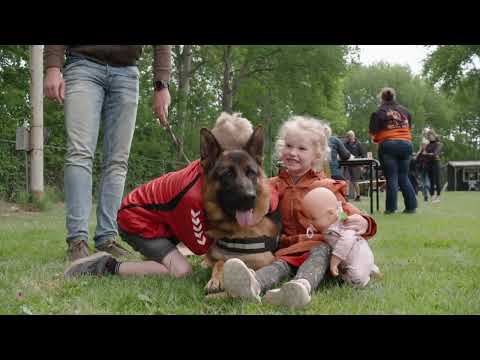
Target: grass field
(430, 262)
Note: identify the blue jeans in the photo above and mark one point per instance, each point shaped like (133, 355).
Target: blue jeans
(395, 156)
(424, 183)
(97, 94)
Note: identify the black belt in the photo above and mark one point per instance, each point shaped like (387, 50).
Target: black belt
(249, 245)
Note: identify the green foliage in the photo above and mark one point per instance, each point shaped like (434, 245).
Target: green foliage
(450, 65)
(454, 68)
(268, 83)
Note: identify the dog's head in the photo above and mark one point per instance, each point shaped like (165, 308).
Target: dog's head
(235, 174)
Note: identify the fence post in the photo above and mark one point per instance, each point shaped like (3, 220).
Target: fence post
(36, 133)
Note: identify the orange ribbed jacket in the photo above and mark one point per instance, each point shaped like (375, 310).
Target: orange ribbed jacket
(294, 240)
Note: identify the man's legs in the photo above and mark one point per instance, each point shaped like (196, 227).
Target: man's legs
(119, 114)
(84, 96)
(425, 184)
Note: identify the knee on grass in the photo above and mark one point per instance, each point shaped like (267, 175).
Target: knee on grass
(177, 265)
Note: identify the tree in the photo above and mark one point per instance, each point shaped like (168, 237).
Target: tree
(450, 65)
(455, 69)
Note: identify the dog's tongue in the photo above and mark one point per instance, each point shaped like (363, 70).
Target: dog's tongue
(244, 218)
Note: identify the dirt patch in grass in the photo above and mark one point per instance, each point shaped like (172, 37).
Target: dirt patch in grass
(8, 209)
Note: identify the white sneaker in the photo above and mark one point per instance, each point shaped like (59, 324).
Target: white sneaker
(435, 199)
(240, 281)
(295, 294)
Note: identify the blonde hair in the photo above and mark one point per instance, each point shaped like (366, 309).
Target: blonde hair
(232, 131)
(317, 131)
(431, 132)
(350, 133)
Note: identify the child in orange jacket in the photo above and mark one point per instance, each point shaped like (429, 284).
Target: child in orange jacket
(302, 147)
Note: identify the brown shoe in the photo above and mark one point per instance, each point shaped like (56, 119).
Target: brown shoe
(112, 247)
(77, 249)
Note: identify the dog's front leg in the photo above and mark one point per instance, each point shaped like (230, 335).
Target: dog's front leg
(215, 284)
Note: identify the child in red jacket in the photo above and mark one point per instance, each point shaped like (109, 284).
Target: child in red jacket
(156, 216)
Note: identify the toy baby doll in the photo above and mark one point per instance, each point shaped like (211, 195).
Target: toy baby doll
(352, 258)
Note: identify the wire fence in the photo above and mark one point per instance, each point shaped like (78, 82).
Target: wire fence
(15, 169)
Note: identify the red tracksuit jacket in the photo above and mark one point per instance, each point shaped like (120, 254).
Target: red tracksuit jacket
(169, 206)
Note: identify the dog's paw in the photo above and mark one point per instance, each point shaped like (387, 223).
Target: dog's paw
(213, 286)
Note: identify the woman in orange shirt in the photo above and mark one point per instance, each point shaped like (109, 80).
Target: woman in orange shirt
(390, 127)
(302, 146)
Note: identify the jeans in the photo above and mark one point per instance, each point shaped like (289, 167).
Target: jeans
(97, 94)
(425, 183)
(395, 157)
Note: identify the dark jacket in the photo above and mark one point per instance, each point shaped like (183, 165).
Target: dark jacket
(337, 148)
(114, 55)
(356, 149)
(391, 121)
(435, 148)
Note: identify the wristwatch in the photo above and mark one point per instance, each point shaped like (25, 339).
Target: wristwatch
(160, 84)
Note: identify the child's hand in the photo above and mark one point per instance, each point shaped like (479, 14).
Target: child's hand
(334, 262)
(356, 223)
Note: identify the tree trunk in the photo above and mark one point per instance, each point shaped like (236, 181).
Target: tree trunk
(227, 98)
(184, 77)
(184, 66)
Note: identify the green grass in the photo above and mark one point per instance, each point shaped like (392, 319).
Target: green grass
(430, 262)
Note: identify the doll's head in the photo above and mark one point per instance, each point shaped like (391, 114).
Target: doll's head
(320, 206)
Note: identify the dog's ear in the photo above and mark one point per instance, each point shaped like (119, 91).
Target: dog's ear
(254, 145)
(210, 149)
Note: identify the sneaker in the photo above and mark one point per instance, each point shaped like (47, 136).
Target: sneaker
(358, 198)
(412, 211)
(435, 199)
(240, 281)
(295, 294)
(112, 247)
(91, 265)
(388, 212)
(77, 249)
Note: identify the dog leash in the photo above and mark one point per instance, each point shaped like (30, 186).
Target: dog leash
(177, 143)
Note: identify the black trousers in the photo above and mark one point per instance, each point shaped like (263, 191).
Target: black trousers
(434, 176)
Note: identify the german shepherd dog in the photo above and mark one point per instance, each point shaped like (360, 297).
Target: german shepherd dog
(236, 201)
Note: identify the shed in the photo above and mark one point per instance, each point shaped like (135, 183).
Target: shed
(463, 175)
